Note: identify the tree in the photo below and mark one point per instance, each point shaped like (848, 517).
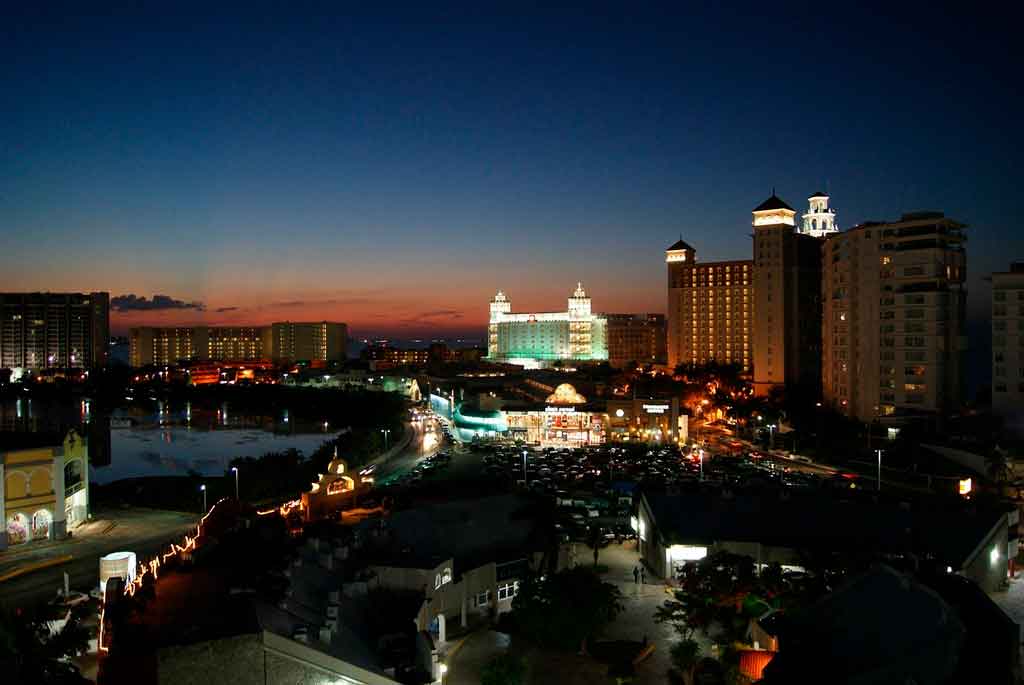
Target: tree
(719, 594)
(562, 610)
(503, 670)
(685, 654)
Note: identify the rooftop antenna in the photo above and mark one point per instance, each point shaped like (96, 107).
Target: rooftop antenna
(773, 191)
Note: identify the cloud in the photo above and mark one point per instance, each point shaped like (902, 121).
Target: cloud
(134, 303)
(433, 316)
(221, 310)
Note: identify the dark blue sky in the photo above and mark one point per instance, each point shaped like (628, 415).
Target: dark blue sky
(394, 168)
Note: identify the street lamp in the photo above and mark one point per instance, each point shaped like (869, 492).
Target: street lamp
(235, 469)
(879, 453)
(771, 436)
(442, 669)
(203, 488)
(525, 480)
(385, 431)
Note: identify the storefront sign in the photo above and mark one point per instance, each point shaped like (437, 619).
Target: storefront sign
(656, 408)
(560, 410)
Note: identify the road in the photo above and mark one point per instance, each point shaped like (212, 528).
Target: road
(426, 441)
(143, 531)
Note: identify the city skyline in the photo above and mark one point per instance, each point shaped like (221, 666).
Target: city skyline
(395, 175)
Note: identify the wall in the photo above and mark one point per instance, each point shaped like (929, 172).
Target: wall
(989, 573)
(256, 659)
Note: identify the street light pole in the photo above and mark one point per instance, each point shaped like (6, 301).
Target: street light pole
(525, 479)
(385, 431)
(879, 452)
(203, 488)
(235, 469)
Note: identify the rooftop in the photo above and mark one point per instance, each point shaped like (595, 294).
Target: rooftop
(810, 520)
(773, 203)
(679, 245)
(472, 532)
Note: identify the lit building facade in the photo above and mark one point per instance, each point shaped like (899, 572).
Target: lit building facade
(54, 330)
(1008, 346)
(166, 346)
(239, 343)
(287, 341)
(635, 339)
(710, 309)
(44, 487)
(893, 323)
(385, 357)
(787, 302)
(539, 339)
(317, 342)
(820, 219)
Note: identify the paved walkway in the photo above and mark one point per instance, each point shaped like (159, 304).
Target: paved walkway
(468, 659)
(640, 602)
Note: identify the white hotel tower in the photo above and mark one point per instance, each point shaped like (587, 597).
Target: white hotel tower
(537, 339)
(820, 219)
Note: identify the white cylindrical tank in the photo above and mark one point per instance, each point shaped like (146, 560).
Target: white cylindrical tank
(117, 565)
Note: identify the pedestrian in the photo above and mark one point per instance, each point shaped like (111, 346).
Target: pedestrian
(643, 575)
(636, 574)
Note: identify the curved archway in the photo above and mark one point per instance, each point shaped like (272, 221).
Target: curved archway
(16, 485)
(18, 529)
(42, 520)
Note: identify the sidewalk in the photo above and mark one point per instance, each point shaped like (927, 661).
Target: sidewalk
(640, 601)
(467, 660)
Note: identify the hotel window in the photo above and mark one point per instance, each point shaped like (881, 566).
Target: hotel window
(483, 598)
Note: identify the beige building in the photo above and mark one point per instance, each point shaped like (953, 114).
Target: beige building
(280, 341)
(787, 302)
(710, 309)
(893, 323)
(1008, 346)
(54, 330)
(312, 342)
(44, 486)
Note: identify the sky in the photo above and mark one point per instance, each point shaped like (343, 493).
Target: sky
(392, 166)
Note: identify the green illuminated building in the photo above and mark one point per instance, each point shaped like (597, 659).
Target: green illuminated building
(540, 339)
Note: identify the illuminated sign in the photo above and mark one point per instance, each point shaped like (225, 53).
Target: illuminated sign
(655, 408)
(560, 410)
(966, 486)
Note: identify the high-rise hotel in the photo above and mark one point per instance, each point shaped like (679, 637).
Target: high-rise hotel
(54, 330)
(787, 295)
(710, 309)
(315, 342)
(542, 338)
(893, 323)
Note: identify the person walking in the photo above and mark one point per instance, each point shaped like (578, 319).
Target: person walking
(643, 575)
(636, 575)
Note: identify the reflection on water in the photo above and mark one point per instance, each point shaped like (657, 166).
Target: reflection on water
(164, 438)
(174, 451)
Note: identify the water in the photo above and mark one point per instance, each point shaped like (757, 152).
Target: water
(156, 438)
(174, 450)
